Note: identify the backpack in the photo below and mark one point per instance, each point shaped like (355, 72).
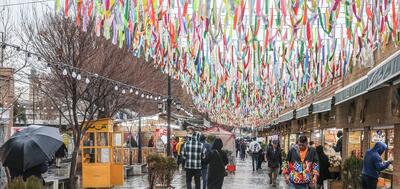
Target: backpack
(256, 148)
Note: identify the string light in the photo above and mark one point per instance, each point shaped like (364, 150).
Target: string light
(77, 74)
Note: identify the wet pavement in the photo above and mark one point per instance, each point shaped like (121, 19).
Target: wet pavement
(244, 178)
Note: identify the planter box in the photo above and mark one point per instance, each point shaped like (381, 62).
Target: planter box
(334, 169)
(334, 184)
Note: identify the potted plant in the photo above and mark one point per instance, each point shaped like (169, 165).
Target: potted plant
(161, 171)
(351, 173)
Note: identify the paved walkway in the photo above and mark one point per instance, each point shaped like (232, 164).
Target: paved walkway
(244, 178)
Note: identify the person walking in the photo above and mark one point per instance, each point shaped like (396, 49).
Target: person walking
(204, 166)
(261, 159)
(193, 153)
(243, 149)
(373, 165)
(254, 149)
(217, 160)
(324, 165)
(274, 159)
(179, 148)
(173, 144)
(237, 146)
(301, 168)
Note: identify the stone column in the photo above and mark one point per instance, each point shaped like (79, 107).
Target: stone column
(345, 141)
(396, 155)
(366, 140)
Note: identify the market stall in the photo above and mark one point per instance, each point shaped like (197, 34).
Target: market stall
(102, 155)
(227, 137)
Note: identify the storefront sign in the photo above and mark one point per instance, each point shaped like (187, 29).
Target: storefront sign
(385, 71)
(322, 106)
(303, 112)
(351, 91)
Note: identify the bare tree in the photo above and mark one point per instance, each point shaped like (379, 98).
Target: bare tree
(65, 47)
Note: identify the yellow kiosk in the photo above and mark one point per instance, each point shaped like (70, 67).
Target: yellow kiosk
(102, 155)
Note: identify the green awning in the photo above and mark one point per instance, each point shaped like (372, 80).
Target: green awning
(385, 71)
(352, 90)
(303, 111)
(286, 117)
(322, 106)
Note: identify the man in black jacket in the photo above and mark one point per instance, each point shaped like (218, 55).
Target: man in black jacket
(274, 158)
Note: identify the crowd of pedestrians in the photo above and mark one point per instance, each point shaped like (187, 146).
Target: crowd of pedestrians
(203, 162)
(305, 166)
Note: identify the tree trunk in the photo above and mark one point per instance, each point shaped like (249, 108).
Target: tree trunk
(72, 172)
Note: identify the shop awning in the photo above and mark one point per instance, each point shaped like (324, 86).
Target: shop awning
(322, 106)
(385, 71)
(303, 111)
(287, 116)
(351, 91)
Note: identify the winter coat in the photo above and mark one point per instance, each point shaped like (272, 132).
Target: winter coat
(193, 152)
(217, 160)
(301, 172)
(207, 147)
(179, 146)
(324, 165)
(274, 158)
(373, 165)
(61, 152)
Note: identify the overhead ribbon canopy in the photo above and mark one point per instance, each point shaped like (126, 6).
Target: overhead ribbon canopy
(244, 61)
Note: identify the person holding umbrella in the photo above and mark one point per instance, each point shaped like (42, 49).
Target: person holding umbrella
(28, 152)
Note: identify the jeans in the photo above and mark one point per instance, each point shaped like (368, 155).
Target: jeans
(368, 182)
(190, 173)
(298, 186)
(204, 176)
(254, 160)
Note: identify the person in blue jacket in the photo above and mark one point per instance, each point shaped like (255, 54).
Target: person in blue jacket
(373, 165)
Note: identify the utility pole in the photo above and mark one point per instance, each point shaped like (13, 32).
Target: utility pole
(2, 49)
(140, 140)
(169, 101)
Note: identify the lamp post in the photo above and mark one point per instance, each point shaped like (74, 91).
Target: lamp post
(140, 140)
(169, 101)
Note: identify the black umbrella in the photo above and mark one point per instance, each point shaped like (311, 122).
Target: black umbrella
(30, 147)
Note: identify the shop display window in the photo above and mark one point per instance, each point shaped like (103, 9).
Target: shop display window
(354, 142)
(386, 136)
(330, 136)
(316, 137)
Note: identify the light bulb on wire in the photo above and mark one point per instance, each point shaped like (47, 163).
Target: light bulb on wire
(142, 95)
(73, 74)
(79, 77)
(64, 72)
(87, 81)
(116, 87)
(130, 90)
(123, 91)
(137, 92)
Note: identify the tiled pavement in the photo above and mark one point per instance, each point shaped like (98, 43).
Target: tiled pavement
(244, 178)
